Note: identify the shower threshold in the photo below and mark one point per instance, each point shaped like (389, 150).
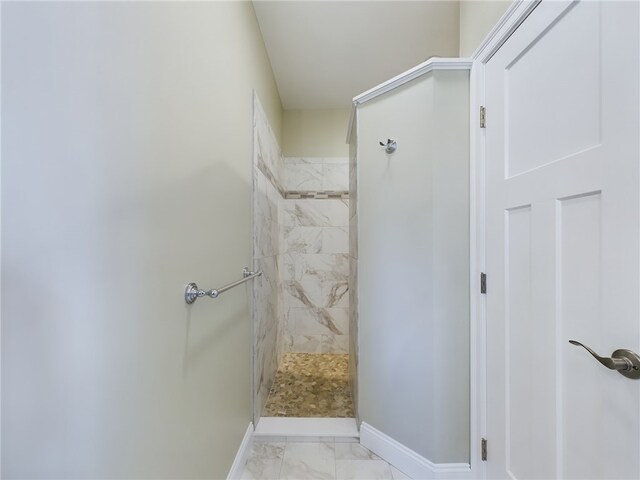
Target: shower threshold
(338, 428)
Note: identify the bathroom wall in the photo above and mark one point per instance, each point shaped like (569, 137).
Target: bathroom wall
(315, 133)
(413, 265)
(126, 173)
(316, 247)
(477, 18)
(268, 194)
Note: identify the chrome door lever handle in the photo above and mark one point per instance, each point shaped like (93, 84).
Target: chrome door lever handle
(626, 362)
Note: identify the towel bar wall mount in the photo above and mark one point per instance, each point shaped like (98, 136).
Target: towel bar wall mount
(192, 292)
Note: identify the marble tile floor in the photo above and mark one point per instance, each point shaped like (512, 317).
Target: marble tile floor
(331, 460)
(311, 385)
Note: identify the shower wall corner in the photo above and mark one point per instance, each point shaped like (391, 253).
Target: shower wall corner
(268, 173)
(353, 261)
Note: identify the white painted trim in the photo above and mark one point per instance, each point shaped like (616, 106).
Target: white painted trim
(413, 73)
(517, 13)
(408, 461)
(0, 217)
(307, 427)
(476, 299)
(477, 257)
(242, 455)
(434, 63)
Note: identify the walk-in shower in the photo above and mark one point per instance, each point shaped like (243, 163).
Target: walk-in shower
(364, 307)
(301, 304)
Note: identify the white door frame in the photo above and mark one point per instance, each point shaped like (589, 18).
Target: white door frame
(517, 12)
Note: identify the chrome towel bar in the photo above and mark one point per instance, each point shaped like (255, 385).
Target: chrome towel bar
(192, 292)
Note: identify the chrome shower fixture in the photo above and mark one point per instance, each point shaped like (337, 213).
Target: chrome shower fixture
(390, 146)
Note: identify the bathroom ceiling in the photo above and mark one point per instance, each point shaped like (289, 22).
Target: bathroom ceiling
(324, 53)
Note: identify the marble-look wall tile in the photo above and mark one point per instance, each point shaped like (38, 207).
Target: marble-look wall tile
(282, 309)
(303, 343)
(316, 173)
(323, 267)
(315, 266)
(335, 176)
(336, 293)
(301, 302)
(283, 228)
(317, 343)
(327, 240)
(268, 172)
(266, 148)
(316, 160)
(334, 344)
(267, 312)
(335, 240)
(266, 218)
(303, 293)
(298, 160)
(318, 321)
(316, 299)
(353, 236)
(320, 278)
(303, 239)
(316, 213)
(304, 177)
(335, 160)
(310, 270)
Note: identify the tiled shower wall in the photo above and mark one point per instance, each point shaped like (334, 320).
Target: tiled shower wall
(301, 244)
(316, 255)
(268, 170)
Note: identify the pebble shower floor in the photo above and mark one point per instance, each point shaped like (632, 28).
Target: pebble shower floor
(311, 385)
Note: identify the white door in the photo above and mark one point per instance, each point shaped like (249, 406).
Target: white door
(562, 199)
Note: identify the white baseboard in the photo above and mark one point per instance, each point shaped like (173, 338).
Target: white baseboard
(408, 461)
(241, 456)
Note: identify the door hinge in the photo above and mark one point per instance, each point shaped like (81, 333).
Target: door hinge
(483, 282)
(483, 117)
(484, 449)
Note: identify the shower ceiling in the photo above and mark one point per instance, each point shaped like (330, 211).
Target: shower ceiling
(325, 53)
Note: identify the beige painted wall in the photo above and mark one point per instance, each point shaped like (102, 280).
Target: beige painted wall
(413, 217)
(315, 133)
(126, 173)
(477, 18)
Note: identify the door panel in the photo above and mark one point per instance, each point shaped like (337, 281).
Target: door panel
(562, 243)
